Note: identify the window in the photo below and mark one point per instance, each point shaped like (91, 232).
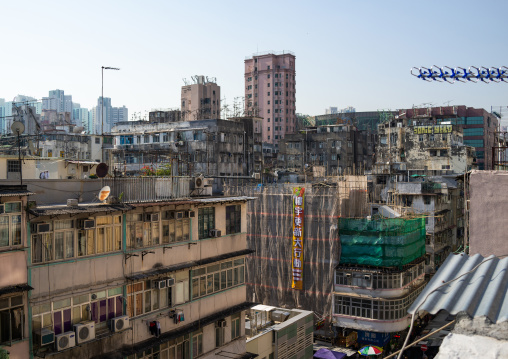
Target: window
(206, 221)
(59, 243)
(10, 225)
(145, 297)
(11, 319)
(473, 132)
(217, 277)
(175, 228)
(426, 199)
(235, 326)
(474, 143)
(97, 140)
(219, 335)
(13, 166)
(61, 315)
(433, 153)
(268, 85)
(197, 343)
(233, 219)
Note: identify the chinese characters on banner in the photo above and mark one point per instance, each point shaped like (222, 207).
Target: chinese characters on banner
(297, 259)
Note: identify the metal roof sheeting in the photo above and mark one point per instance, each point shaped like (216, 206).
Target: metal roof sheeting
(483, 292)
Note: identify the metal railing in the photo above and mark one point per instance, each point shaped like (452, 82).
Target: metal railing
(148, 189)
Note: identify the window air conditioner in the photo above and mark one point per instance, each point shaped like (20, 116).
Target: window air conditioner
(171, 281)
(189, 214)
(154, 217)
(45, 336)
(87, 224)
(84, 332)
(215, 233)
(159, 284)
(43, 227)
(120, 323)
(179, 215)
(221, 323)
(65, 341)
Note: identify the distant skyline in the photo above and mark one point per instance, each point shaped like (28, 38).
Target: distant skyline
(347, 53)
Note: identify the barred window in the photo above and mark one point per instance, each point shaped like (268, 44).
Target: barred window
(13, 166)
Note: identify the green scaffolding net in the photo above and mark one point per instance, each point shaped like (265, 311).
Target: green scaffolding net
(386, 242)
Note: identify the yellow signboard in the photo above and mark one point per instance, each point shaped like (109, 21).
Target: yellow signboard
(420, 130)
(297, 258)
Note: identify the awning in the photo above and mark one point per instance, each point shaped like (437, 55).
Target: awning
(324, 353)
(15, 289)
(177, 267)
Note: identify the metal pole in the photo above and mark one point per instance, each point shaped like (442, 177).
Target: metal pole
(102, 115)
(19, 158)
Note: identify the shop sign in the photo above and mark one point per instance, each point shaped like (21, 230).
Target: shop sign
(297, 248)
(421, 130)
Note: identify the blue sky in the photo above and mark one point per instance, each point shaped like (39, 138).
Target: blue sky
(348, 53)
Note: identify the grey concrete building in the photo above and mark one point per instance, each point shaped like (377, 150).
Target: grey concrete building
(209, 147)
(335, 149)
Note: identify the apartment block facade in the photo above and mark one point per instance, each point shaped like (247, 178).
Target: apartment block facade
(270, 93)
(142, 279)
(200, 100)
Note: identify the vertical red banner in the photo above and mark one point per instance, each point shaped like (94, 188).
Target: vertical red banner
(297, 258)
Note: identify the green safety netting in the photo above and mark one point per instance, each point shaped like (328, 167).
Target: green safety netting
(387, 242)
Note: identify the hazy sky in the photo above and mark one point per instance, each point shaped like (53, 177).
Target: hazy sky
(348, 53)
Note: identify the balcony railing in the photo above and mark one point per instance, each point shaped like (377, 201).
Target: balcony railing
(148, 189)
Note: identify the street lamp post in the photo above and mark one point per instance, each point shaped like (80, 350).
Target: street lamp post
(102, 107)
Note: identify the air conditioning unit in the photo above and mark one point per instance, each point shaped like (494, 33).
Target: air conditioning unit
(189, 214)
(43, 227)
(170, 281)
(179, 215)
(257, 175)
(221, 323)
(87, 224)
(159, 284)
(84, 332)
(152, 217)
(215, 233)
(199, 182)
(120, 323)
(45, 337)
(65, 341)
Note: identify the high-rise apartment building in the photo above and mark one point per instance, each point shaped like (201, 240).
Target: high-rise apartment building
(112, 115)
(201, 100)
(270, 93)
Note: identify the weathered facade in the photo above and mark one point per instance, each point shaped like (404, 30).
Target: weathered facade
(208, 147)
(423, 145)
(138, 279)
(336, 148)
(478, 127)
(200, 100)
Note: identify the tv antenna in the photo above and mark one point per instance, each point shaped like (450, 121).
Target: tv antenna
(18, 128)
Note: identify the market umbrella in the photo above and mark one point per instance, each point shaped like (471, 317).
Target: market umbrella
(370, 350)
(324, 353)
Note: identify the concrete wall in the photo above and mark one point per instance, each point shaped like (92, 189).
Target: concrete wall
(487, 215)
(261, 344)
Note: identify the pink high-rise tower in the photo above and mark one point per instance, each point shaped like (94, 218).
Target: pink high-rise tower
(270, 93)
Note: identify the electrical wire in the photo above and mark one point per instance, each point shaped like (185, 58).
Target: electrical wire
(428, 295)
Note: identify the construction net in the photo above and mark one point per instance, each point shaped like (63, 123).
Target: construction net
(270, 234)
(383, 242)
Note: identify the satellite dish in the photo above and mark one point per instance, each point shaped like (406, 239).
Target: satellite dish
(104, 193)
(17, 127)
(102, 170)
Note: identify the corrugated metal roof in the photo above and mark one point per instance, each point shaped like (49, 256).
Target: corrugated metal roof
(483, 292)
(15, 193)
